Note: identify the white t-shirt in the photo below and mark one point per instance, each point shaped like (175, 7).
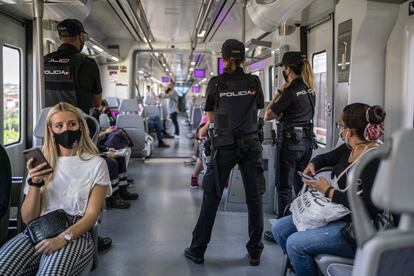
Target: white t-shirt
(72, 182)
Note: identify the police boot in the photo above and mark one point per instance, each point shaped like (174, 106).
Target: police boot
(114, 201)
(126, 195)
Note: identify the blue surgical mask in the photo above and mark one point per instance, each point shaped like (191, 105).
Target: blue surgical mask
(344, 138)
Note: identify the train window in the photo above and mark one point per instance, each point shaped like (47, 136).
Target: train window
(319, 64)
(11, 98)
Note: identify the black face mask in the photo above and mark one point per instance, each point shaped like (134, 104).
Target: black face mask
(285, 76)
(68, 139)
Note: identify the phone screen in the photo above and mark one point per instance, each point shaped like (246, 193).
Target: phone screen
(38, 157)
(306, 176)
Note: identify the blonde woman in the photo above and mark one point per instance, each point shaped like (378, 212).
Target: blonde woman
(294, 106)
(78, 184)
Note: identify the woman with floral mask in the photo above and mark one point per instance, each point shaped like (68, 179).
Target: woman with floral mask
(361, 126)
(77, 185)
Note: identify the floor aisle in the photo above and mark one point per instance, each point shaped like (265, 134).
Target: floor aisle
(149, 238)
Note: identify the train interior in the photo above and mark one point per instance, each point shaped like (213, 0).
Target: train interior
(360, 51)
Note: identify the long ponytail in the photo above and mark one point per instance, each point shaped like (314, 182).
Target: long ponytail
(304, 70)
(307, 75)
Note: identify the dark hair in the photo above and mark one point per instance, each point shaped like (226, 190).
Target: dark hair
(231, 64)
(104, 103)
(357, 119)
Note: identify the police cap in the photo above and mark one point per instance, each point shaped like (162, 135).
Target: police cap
(233, 48)
(291, 58)
(70, 28)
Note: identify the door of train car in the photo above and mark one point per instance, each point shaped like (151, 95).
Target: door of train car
(12, 90)
(320, 55)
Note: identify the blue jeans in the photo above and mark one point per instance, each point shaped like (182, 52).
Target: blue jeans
(302, 246)
(154, 124)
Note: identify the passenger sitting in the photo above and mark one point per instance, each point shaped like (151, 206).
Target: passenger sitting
(78, 184)
(154, 124)
(360, 127)
(199, 138)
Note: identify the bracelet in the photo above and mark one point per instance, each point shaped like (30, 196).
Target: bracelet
(328, 190)
(38, 185)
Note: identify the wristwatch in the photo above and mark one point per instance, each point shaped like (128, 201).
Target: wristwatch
(68, 236)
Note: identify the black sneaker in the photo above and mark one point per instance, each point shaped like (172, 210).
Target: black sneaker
(268, 235)
(193, 258)
(254, 261)
(127, 195)
(117, 203)
(167, 136)
(104, 243)
(163, 145)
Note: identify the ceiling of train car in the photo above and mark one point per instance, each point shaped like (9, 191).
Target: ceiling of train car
(172, 20)
(104, 21)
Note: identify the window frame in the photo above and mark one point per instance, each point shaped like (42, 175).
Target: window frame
(313, 56)
(20, 95)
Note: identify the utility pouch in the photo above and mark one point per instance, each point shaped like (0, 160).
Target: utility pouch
(297, 134)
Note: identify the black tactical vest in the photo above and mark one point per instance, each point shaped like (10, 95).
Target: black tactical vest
(236, 111)
(61, 72)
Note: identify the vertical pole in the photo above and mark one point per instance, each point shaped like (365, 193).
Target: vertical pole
(38, 6)
(244, 22)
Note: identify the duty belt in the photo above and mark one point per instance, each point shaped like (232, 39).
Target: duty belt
(288, 134)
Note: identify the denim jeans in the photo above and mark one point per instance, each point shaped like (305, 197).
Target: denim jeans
(302, 246)
(154, 124)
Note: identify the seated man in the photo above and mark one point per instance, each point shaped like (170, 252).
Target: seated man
(200, 136)
(154, 124)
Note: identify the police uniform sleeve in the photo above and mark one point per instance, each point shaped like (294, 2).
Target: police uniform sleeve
(211, 92)
(283, 103)
(89, 76)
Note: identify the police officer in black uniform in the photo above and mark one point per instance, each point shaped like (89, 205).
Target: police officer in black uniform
(294, 106)
(71, 76)
(232, 102)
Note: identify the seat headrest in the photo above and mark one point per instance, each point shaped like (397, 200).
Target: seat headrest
(39, 130)
(394, 185)
(113, 102)
(129, 105)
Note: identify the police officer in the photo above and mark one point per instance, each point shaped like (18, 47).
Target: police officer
(294, 106)
(71, 76)
(232, 102)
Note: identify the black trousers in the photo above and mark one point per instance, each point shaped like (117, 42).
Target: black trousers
(251, 166)
(173, 117)
(294, 157)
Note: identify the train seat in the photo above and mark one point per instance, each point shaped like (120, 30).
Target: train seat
(333, 265)
(113, 102)
(133, 124)
(196, 114)
(153, 110)
(104, 121)
(389, 252)
(39, 130)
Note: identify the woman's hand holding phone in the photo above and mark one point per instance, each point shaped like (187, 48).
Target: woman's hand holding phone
(38, 173)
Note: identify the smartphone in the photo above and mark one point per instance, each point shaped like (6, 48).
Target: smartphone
(38, 157)
(308, 177)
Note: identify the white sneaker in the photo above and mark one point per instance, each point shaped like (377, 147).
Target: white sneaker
(176, 137)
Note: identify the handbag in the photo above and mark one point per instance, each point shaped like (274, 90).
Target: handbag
(382, 222)
(48, 226)
(118, 139)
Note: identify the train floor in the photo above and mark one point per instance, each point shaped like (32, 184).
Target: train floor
(150, 237)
